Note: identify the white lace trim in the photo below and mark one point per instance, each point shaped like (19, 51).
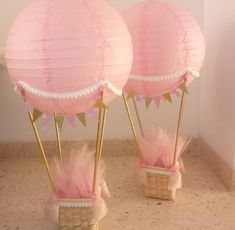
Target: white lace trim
(75, 203)
(165, 77)
(72, 95)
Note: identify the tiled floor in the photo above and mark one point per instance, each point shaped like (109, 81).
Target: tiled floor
(202, 204)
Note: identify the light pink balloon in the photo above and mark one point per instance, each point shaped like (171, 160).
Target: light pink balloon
(64, 52)
(168, 46)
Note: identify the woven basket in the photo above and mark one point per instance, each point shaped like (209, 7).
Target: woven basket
(76, 214)
(157, 182)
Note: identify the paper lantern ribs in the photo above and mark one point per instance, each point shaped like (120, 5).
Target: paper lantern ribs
(64, 53)
(169, 50)
(168, 46)
(66, 57)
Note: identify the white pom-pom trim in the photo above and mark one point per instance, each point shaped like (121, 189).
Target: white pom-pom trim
(72, 95)
(157, 170)
(165, 77)
(75, 203)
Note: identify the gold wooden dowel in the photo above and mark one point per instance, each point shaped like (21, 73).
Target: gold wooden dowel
(58, 139)
(42, 151)
(178, 127)
(98, 138)
(138, 117)
(102, 134)
(131, 123)
(98, 132)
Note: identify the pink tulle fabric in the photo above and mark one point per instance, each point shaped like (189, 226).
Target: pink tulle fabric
(60, 46)
(157, 148)
(167, 41)
(74, 178)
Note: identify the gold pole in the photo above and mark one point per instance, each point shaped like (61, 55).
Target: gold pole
(58, 138)
(42, 151)
(102, 134)
(178, 127)
(99, 126)
(99, 144)
(131, 123)
(138, 116)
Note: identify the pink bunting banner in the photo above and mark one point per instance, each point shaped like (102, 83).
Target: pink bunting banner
(71, 120)
(92, 113)
(46, 119)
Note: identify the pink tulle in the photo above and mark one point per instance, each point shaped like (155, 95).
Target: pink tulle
(74, 179)
(157, 148)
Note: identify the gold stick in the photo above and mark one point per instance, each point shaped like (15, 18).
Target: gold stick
(42, 151)
(98, 129)
(97, 149)
(178, 127)
(102, 134)
(131, 123)
(138, 116)
(58, 138)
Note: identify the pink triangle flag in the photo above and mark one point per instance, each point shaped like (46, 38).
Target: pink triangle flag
(46, 119)
(176, 92)
(28, 106)
(71, 120)
(139, 98)
(158, 101)
(92, 113)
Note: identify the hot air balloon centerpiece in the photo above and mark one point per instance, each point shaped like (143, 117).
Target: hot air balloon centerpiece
(67, 58)
(168, 53)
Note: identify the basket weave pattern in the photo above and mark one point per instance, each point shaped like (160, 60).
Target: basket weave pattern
(157, 181)
(76, 218)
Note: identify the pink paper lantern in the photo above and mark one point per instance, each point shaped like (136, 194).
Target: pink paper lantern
(169, 48)
(64, 52)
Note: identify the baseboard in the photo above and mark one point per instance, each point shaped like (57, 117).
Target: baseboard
(220, 167)
(118, 148)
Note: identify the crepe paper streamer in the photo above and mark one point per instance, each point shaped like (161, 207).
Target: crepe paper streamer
(82, 118)
(64, 53)
(169, 48)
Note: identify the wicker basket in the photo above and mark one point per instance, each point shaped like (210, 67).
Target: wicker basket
(157, 182)
(76, 214)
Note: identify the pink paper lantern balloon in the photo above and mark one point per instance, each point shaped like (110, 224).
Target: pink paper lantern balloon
(64, 52)
(169, 48)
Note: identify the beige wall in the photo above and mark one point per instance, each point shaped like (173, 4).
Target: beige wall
(13, 120)
(217, 88)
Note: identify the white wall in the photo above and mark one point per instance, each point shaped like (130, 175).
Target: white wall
(13, 120)
(217, 89)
